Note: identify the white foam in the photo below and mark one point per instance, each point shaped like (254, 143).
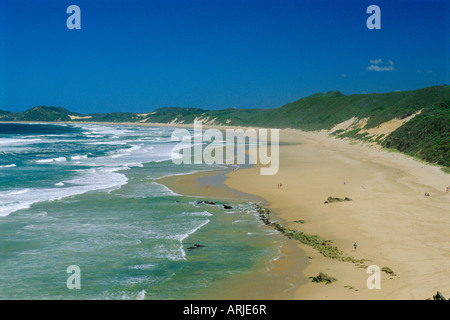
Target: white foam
(198, 214)
(16, 192)
(8, 166)
(121, 295)
(59, 159)
(184, 173)
(105, 130)
(12, 141)
(89, 180)
(107, 143)
(79, 157)
(182, 237)
(103, 174)
(128, 151)
(134, 156)
(147, 266)
(141, 295)
(163, 190)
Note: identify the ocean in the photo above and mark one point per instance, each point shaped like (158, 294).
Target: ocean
(87, 195)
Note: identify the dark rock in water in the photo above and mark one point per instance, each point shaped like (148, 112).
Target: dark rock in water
(227, 207)
(205, 202)
(438, 296)
(196, 246)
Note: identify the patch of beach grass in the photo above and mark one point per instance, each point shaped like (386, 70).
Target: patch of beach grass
(322, 277)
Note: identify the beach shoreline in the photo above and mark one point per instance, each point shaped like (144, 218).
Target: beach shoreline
(274, 279)
(390, 219)
(395, 227)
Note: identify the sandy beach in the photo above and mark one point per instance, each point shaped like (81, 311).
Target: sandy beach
(390, 219)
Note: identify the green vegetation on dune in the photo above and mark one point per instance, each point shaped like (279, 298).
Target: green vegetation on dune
(323, 111)
(426, 136)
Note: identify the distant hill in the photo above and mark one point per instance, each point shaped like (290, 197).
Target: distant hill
(4, 114)
(415, 122)
(316, 112)
(41, 113)
(229, 116)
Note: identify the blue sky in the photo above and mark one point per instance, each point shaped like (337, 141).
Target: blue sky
(139, 55)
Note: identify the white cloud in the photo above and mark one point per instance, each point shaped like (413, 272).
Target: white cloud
(343, 75)
(377, 65)
(378, 68)
(376, 61)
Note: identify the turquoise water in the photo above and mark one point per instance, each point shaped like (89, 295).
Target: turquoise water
(88, 195)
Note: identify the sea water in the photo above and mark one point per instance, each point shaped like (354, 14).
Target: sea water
(87, 195)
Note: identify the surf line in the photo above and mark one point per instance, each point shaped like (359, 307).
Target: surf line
(235, 140)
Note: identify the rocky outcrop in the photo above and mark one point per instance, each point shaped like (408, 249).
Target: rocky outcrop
(204, 202)
(322, 277)
(196, 246)
(333, 199)
(212, 203)
(388, 271)
(439, 296)
(325, 247)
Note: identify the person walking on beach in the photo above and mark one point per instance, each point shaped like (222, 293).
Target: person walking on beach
(355, 246)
